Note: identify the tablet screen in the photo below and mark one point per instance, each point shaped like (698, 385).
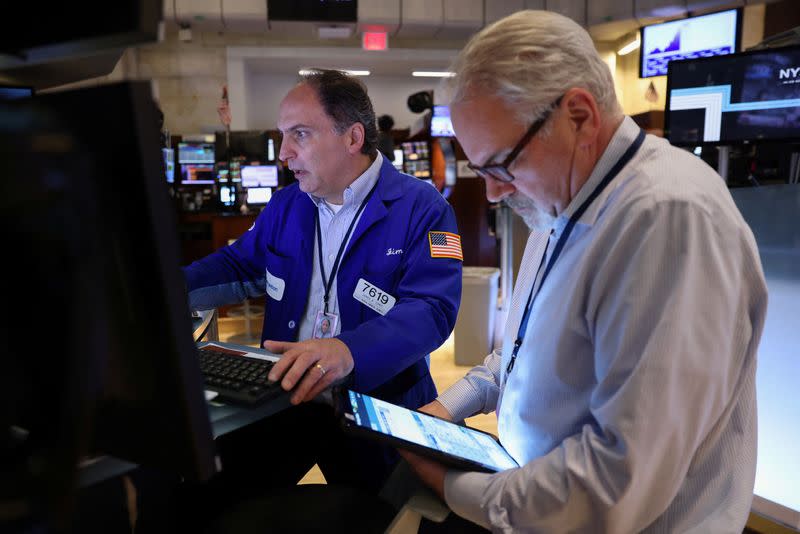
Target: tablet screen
(427, 431)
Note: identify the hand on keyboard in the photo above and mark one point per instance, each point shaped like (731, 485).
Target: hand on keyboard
(309, 366)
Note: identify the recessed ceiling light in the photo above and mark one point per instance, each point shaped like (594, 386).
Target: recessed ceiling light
(433, 74)
(306, 72)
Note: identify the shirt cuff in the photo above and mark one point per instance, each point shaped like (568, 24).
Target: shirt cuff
(463, 493)
(461, 400)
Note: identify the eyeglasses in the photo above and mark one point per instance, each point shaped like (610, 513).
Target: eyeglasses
(499, 171)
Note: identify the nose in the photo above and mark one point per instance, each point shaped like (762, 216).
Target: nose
(496, 190)
(286, 151)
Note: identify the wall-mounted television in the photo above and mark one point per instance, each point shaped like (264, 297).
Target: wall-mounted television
(750, 97)
(714, 34)
(440, 122)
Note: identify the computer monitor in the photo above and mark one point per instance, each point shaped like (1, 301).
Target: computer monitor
(197, 174)
(259, 175)
(713, 34)
(168, 155)
(195, 152)
(398, 159)
(227, 195)
(247, 145)
(98, 352)
(258, 195)
(750, 97)
(440, 122)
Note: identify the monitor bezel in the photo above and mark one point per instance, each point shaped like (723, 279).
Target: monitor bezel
(737, 38)
(722, 142)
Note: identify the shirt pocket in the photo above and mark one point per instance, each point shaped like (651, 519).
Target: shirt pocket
(384, 274)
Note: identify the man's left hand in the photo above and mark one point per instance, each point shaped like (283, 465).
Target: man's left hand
(309, 366)
(429, 471)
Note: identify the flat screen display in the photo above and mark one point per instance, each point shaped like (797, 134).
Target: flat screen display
(168, 154)
(11, 92)
(202, 174)
(460, 444)
(259, 175)
(748, 97)
(440, 122)
(259, 195)
(195, 153)
(714, 34)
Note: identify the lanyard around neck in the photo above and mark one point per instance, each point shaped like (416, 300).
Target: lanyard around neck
(523, 325)
(327, 281)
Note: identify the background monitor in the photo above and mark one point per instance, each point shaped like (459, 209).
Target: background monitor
(259, 175)
(227, 195)
(258, 195)
(194, 152)
(398, 159)
(168, 155)
(122, 377)
(749, 97)
(702, 36)
(247, 145)
(440, 122)
(197, 174)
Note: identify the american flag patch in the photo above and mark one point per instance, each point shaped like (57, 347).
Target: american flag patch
(445, 245)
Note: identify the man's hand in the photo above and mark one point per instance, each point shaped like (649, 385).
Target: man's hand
(314, 363)
(429, 471)
(436, 409)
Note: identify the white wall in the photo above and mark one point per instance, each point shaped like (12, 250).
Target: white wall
(388, 93)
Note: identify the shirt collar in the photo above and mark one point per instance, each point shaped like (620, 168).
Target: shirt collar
(355, 193)
(623, 138)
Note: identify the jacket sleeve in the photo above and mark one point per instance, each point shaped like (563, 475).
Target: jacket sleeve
(231, 274)
(428, 295)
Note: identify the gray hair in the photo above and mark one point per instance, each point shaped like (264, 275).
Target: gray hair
(529, 59)
(345, 100)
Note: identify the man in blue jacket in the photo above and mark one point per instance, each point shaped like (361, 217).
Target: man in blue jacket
(361, 268)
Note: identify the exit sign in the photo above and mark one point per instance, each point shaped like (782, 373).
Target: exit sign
(374, 41)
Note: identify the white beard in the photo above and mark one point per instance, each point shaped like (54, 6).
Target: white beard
(535, 218)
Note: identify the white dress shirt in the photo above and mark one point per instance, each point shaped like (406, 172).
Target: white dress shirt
(632, 403)
(334, 225)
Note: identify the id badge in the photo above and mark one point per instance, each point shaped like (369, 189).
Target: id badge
(325, 325)
(373, 297)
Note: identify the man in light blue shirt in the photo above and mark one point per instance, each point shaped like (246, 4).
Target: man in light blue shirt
(625, 387)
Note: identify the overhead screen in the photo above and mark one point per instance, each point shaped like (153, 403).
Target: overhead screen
(709, 35)
(750, 97)
(441, 126)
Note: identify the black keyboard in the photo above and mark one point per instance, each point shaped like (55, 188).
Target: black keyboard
(237, 379)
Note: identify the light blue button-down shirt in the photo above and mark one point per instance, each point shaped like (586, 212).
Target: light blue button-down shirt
(631, 406)
(334, 225)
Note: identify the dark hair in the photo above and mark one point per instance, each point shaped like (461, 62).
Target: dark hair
(344, 99)
(385, 123)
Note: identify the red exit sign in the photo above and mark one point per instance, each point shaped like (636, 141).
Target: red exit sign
(374, 41)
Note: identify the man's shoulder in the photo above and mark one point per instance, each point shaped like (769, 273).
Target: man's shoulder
(411, 189)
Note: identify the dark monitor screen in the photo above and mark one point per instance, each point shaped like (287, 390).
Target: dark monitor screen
(195, 153)
(713, 34)
(749, 97)
(247, 145)
(193, 174)
(440, 122)
(118, 374)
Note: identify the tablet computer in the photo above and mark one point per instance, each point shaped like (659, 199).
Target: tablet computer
(454, 445)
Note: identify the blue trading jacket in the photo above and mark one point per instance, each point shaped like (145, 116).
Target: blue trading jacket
(389, 351)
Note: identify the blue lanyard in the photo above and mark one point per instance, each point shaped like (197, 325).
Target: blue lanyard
(523, 325)
(327, 282)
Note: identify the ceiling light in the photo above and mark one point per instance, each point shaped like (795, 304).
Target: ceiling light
(433, 74)
(306, 72)
(630, 47)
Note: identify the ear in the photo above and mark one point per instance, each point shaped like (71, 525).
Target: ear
(584, 115)
(355, 138)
